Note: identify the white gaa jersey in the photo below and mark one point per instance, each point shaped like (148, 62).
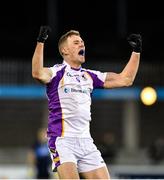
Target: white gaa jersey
(69, 100)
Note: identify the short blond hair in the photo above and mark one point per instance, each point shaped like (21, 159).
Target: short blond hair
(64, 37)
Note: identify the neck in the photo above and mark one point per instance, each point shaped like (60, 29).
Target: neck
(73, 64)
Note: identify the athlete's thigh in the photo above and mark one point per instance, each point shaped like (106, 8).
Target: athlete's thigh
(68, 170)
(100, 173)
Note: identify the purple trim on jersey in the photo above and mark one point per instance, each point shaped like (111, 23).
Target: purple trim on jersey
(52, 148)
(56, 165)
(97, 83)
(76, 69)
(55, 111)
(51, 143)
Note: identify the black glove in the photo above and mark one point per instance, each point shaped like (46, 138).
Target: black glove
(135, 41)
(43, 34)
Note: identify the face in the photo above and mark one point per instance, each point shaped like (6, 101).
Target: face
(74, 50)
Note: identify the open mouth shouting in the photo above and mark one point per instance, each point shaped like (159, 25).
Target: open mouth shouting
(82, 52)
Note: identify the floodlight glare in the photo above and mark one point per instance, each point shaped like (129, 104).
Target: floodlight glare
(148, 96)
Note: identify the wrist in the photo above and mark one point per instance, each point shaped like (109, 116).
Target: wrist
(40, 40)
(137, 52)
(137, 49)
(40, 43)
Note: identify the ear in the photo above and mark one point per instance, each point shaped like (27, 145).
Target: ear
(64, 50)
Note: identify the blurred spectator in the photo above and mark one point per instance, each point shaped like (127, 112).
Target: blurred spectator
(156, 150)
(39, 157)
(107, 147)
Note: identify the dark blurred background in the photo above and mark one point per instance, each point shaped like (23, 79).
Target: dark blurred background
(127, 132)
(103, 25)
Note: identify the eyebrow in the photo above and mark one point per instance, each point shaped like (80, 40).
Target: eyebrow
(78, 40)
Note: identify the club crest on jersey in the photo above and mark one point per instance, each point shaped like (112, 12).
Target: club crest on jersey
(84, 78)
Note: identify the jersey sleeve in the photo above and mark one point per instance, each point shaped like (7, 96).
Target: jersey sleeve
(98, 78)
(55, 69)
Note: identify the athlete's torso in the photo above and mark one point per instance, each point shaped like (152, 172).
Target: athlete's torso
(69, 96)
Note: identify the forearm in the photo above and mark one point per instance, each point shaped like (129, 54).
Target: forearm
(130, 70)
(38, 71)
(127, 76)
(37, 60)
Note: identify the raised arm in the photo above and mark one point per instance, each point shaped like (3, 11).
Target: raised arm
(128, 74)
(39, 72)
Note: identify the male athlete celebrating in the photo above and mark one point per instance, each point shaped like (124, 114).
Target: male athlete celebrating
(69, 88)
